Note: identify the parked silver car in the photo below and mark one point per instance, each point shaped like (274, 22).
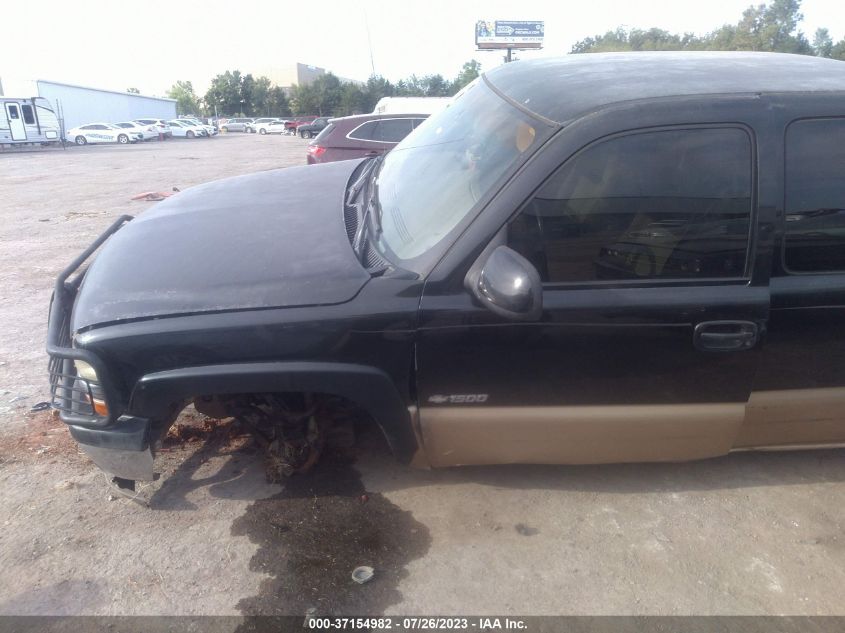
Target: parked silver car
(236, 125)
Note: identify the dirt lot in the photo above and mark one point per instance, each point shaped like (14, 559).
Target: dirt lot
(744, 534)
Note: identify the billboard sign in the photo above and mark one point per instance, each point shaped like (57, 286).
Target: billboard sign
(492, 34)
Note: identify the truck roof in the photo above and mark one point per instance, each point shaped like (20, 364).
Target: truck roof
(562, 89)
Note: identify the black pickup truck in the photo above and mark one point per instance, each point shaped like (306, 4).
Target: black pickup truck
(598, 258)
(310, 130)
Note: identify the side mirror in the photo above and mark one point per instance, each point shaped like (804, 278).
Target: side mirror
(508, 285)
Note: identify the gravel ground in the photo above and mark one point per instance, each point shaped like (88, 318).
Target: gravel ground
(743, 534)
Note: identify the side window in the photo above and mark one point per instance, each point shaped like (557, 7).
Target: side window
(650, 205)
(364, 132)
(28, 115)
(417, 122)
(13, 112)
(393, 130)
(815, 196)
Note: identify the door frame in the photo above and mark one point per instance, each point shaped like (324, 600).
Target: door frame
(20, 127)
(472, 433)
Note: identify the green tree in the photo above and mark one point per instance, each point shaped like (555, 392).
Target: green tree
(277, 102)
(436, 86)
(352, 100)
(822, 43)
(376, 88)
(329, 89)
(304, 99)
(186, 100)
(469, 73)
(762, 27)
(260, 96)
(225, 94)
(247, 89)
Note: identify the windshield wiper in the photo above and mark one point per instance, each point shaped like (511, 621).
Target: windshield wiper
(372, 199)
(358, 185)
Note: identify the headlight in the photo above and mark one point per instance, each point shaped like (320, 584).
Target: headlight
(85, 371)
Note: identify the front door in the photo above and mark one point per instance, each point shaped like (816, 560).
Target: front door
(646, 348)
(13, 113)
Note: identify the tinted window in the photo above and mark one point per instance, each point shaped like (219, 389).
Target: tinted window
(383, 131)
(657, 205)
(13, 112)
(393, 130)
(815, 196)
(364, 132)
(28, 116)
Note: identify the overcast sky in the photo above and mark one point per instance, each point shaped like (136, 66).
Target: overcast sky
(151, 44)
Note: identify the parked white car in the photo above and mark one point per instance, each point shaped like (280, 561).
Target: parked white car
(102, 133)
(183, 128)
(160, 125)
(277, 126)
(147, 132)
(258, 123)
(208, 128)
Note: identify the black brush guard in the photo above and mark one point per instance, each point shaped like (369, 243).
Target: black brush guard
(71, 395)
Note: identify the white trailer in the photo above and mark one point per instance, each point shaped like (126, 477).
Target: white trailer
(410, 105)
(28, 120)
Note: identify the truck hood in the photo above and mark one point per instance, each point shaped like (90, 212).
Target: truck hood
(273, 239)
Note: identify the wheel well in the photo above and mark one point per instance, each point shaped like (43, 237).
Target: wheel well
(344, 421)
(156, 395)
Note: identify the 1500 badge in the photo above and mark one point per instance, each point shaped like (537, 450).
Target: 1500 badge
(458, 398)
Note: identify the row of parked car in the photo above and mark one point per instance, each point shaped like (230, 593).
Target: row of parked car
(304, 126)
(139, 130)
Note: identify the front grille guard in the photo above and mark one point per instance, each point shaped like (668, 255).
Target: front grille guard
(71, 395)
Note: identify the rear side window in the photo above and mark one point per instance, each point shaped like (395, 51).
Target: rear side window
(815, 196)
(383, 131)
(365, 131)
(28, 115)
(393, 130)
(652, 205)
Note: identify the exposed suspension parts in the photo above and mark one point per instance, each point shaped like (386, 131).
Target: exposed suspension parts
(291, 428)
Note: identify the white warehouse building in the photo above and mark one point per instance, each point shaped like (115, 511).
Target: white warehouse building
(78, 105)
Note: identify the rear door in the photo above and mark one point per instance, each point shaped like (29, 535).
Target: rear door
(16, 124)
(653, 312)
(799, 394)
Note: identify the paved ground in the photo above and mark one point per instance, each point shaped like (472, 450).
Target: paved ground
(744, 534)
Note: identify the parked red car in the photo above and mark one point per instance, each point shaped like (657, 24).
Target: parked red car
(361, 135)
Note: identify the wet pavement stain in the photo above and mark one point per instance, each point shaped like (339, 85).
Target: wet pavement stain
(315, 532)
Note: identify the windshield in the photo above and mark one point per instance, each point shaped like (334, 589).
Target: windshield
(432, 180)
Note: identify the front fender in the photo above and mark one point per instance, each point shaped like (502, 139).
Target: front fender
(155, 395)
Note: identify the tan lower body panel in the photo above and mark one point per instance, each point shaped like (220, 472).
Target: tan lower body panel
(455, 436)
(794, 417)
